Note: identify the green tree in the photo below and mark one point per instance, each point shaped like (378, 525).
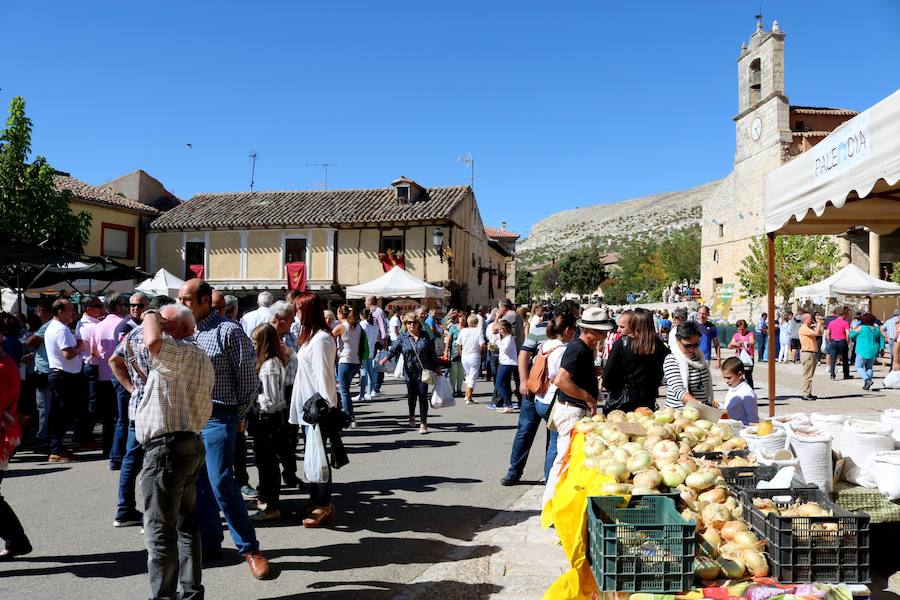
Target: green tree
(32, 210)
(581, 270)
(545, 281)
(680, 253)
(523, 286)
(799, 260)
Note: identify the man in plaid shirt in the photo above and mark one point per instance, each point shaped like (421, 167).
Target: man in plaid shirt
(234, 363)
(168, 420)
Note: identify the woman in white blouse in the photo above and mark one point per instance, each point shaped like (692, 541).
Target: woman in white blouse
(470, 344)
(315, 374)
(270, 436)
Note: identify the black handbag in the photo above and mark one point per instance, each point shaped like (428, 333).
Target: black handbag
(315, 409)
(624, 398)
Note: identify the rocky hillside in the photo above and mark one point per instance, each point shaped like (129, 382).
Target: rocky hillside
(612, 225)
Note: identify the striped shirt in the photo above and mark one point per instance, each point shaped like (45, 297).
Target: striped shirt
(699, 383)
(233, 359)
(136, 357)
(177, 394)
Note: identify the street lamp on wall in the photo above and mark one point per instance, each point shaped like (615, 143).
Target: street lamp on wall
(437, 239)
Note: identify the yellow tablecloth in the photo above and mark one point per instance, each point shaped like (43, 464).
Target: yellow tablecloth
(567, 512)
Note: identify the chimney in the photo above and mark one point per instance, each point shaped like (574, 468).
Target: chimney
(503, 225)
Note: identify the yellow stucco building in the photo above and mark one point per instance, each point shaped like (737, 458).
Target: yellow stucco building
(241, 241)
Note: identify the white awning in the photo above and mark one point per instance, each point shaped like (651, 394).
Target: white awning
(849, 179)
(161, 284)
(396, 283)
(849, 281)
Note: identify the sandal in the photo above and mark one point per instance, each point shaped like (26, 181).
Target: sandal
(321, 516)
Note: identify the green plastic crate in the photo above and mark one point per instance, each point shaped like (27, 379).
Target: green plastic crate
(644, 547)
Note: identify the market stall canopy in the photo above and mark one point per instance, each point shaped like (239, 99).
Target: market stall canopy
(29, 267)
(849, 281)
(396, 283)
(162, 283)
(849, 179)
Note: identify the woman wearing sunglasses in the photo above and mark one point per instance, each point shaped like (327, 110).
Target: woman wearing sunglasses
(686, 371)
(418, 354)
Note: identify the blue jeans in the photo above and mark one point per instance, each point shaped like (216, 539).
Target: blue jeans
(120, 435)
(761, 345)
(319, 493)
(529, 423)
(345, 373)
(217, 487)
(864, 367)
(42, 399)
(131, 466)
(502, 385)
(368, 378)
(544, 411)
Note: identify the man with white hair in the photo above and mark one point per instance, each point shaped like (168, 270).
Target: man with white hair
(251, 320)
(168, 421)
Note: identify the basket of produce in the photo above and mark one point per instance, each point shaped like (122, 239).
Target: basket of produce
(644, 546)
(746, 477)
(728, 457)
(809, 537)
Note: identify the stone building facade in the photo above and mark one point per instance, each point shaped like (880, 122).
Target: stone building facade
(769, 132)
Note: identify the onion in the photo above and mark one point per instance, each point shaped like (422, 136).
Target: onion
(584, 425)
(701, 480)
(703, 447)
(756, 562)
(714, 496)
(649, 478)
(665, 452)
(733, 568)
(673, 475)
(598, 418)
(664, 415)
(715, 515)
(703, 424)
(706, 568)
(731, 528)
(621, 455)
(643, 491)
(632, 448)
(639, 461)
(616, 415)
(690, 413)
(615, 489)
(746, 539)
(687, 494)
(617, 470)
(723, 431)
(711, 541)
(688, 463)
(643, 410)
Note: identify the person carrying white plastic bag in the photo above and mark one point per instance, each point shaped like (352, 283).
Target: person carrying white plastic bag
(315, 460)
(442, 396)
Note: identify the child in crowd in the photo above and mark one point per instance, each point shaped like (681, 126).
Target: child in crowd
(740, 401)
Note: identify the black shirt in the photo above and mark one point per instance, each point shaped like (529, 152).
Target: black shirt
(578, 360)
(643, 373)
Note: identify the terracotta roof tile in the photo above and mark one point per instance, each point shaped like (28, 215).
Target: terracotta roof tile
(99, 195)
(308, 207)
(823, 110)
(500, 233)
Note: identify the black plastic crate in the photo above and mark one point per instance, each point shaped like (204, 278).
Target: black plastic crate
(747, 477)
(831, 549)
(645, 546)
(718, 456)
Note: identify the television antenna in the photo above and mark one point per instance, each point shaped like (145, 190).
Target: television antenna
(467, 160)
(324, 166)
(252, 169)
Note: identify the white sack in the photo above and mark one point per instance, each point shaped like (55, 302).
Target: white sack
(886, 471)
(833, 425)
(775, 441)
(785, 459)
(862, 440)
(812, 448)
(891, 416)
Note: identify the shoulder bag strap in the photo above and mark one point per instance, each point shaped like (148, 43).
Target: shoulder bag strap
(416, 351)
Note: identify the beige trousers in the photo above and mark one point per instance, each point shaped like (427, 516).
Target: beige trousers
(808, 361)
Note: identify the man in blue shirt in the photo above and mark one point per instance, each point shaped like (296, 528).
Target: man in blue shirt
(234, 364)
(709, 336)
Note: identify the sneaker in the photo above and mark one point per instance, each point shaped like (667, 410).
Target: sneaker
(11, 553)
(471, 402)
(115, 466)
(266, 515)
(514, 406)
(492, 406)
(809, 398)
(369, 396)
(375, 394)
(129, 519)
(505, 409)
(423, 429)
(248, 493)
(359, 398)
(353, 424)
(868, 384)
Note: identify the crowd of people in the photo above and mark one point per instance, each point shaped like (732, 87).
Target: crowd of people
(177, 385)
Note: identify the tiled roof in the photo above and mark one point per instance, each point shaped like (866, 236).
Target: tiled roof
(309, 207)
(823, 110)
(99, 195)
(495, 233)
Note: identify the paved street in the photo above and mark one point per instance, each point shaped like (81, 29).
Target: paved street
(406, 502)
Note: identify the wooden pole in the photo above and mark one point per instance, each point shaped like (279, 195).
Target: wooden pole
(773, 349)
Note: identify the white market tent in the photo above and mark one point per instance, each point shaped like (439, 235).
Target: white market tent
(162, 283)
(396, 283)
(849, 179)
(849, 281)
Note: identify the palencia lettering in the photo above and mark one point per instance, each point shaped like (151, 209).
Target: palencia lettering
(849, 145)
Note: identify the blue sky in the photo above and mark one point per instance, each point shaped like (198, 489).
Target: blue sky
(562, 104)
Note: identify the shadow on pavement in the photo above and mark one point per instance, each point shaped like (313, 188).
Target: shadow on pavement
(29, 472)
(400, 443)
(105, 565)
(379, 590)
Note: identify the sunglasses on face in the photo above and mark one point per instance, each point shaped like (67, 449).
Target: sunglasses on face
(690, 346)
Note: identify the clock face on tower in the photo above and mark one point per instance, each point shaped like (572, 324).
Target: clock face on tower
(756, 128)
